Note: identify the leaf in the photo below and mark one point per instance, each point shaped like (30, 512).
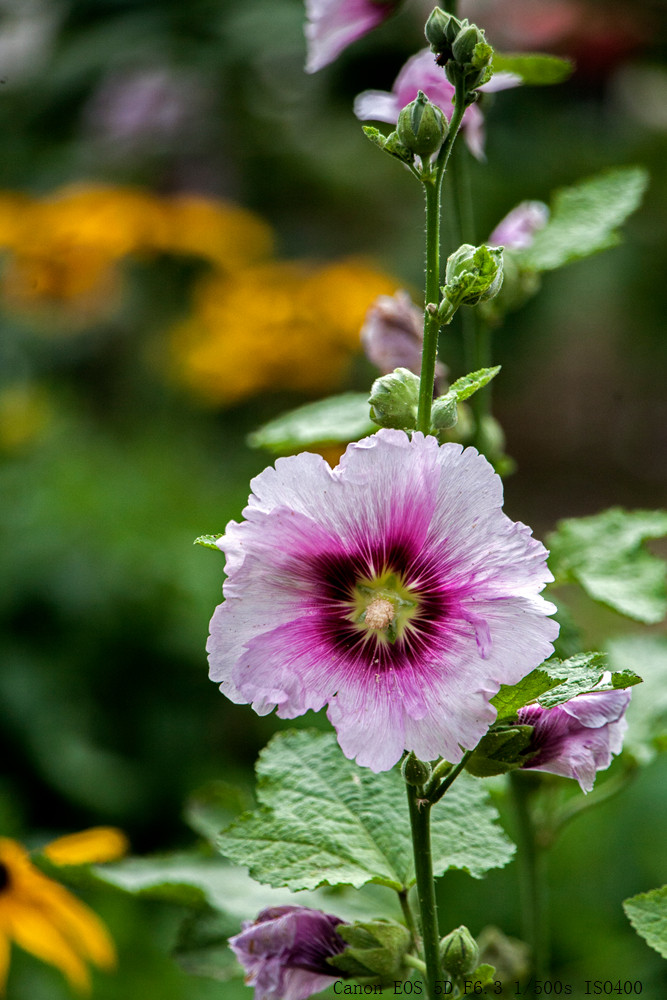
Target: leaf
(328, 421)
(323, 820)
(604, 555)
(211, 808)
(208, 541)
(647, 712)
(557, 681)
(584, 219)
(647, 913)
(202, 882)
(535, 69)
(465, 386)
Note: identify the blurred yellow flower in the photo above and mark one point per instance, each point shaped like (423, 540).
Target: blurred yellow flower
(25, 411)
(65, 248)
(45, 919)
(93, 846)
(278, 325)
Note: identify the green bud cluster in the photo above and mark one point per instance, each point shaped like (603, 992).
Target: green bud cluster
(422, 127)
(461, 48)
(389, 143)
(394, 399)
(473, 274)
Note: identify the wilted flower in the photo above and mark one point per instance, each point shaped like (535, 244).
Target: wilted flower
(517, 230)
(392, 587)
(284, 952)
(276, 326)
(421, 72)
(45, 919)
(334, 24)
(577, 739)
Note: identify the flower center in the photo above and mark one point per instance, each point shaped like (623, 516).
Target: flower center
(4, 876)
(383, 605)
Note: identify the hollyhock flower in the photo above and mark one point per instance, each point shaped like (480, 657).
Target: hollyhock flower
(392, 587)
(517, 230)
(393, 334)
(421, 72)
(284, 952)
(577, 739)
(334, 24)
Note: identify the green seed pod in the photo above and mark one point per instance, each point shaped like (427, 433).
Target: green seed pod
(421, 126)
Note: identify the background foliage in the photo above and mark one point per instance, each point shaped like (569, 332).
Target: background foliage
(116, 452)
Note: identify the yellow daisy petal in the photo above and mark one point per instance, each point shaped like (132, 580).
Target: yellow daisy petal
(33, 932)
(100, 843)
(4, 960)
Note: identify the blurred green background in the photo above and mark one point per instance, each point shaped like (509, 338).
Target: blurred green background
(118, 447)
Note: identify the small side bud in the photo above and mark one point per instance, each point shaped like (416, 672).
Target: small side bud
(444, 412)
(415, 771)
(464, 44)
(474, 274)
(394, 400)
(459, 952)
(389, 143)
(421, 126)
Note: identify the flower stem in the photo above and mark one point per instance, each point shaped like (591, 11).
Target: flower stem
(420, 822)
(432, 181)
(532, 874)
(451, 776)
(409, 918)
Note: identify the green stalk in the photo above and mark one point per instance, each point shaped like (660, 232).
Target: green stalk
(531, 860)
(420, 822)
(432, 181)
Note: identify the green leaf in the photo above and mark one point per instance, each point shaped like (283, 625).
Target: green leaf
(202, 882)
(584, 219)
(556, 681)
(647, 712)
(212, 807)
(335, 420)
(208, 541)
(647, 913)
(465, 386)
(323, 820)
(604, 555)
(535, 69)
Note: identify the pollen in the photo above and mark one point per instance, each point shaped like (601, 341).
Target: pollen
(379, 614)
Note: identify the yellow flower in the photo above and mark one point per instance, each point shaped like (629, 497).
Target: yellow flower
(65, 248)
(278, 325)
(45, 919)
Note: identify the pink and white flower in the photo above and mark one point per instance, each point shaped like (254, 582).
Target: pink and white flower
(392, 588)
(421, 72)
(579, 738)
(334, 24)
(284, 952)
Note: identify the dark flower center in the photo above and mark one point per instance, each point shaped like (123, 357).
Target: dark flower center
(4, 876)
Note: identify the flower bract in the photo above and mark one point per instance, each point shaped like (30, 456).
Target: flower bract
(284, 952)
(392, 588)
(579, 738)
(421, 72)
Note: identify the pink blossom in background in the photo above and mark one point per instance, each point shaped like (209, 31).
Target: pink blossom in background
(392, 588)
(284, 952)
(517, 230)
(393, 334)
(332, 25)
(579, 738)
(421, 72)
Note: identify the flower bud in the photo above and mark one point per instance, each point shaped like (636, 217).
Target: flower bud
(459, 952)
(464, 44)
(474, 274)
(421, 126)
(444, 412)
(394, 400)
(415, 771)
(375, 951)
(441, 29)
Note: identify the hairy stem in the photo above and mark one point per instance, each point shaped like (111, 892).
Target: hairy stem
(532, 875)
(420, 822)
